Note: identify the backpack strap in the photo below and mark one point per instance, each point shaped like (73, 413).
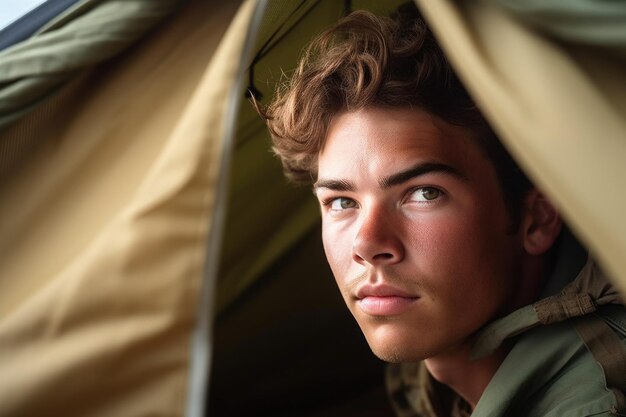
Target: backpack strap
(610, 353)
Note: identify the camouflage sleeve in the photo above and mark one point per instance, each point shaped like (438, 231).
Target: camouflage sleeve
(414, 393)
(402, 382)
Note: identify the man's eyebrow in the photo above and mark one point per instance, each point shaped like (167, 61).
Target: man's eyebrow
(395, 179)
(332, 184)
(418, 170)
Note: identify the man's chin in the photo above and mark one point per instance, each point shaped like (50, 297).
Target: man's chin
(397, 350)
(395, 355)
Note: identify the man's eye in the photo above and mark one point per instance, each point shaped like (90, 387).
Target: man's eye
(425, 194)
(342, 203)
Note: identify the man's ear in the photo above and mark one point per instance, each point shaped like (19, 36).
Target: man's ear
(541, 223)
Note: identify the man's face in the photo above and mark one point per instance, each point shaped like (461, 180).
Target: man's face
(415, 230)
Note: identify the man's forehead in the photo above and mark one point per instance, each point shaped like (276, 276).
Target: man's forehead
(384, 144)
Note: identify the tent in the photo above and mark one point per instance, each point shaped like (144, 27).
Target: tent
(154, 262)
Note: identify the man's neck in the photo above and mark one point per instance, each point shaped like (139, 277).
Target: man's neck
(468, 378)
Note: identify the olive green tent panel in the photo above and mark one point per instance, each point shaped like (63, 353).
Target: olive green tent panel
(550, 77)
(89, 32)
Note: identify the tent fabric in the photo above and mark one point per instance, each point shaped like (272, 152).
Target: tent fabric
(88, 33)
(265, 216)
(238, 45)
(105, 224)
(583, 22)
(557, 97)
(31, 22)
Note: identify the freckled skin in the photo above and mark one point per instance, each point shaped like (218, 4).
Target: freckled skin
(447, 243)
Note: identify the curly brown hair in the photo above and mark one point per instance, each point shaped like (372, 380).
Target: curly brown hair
(371, 61)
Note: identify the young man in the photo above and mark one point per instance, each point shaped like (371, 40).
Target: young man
(439, 244)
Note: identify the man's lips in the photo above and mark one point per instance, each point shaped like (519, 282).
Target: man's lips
(382, 290)
(383, 300)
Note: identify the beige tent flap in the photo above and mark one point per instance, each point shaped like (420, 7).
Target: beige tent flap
(558, 104)
(105, 225)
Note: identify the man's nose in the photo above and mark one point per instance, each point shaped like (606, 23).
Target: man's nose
(377, 240)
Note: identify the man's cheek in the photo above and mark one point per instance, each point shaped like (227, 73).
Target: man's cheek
(438, 241)
(338, 251)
